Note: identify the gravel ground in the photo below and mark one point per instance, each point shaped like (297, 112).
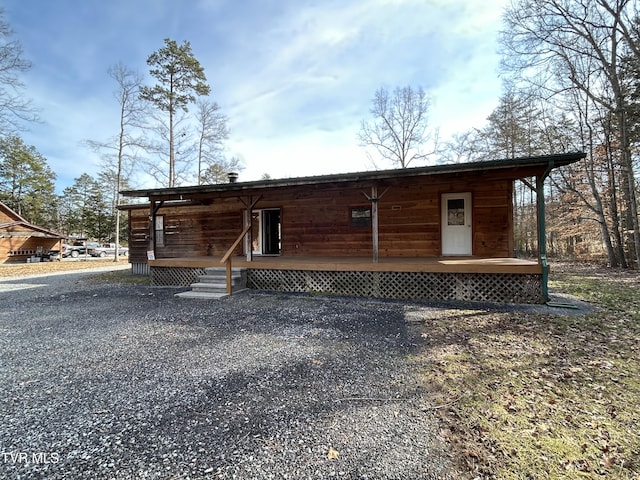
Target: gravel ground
(128, 382)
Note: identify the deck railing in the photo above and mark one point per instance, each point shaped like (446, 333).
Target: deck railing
(226, 259)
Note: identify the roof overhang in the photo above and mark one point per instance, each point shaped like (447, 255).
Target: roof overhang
(521, 167)
(25, 229)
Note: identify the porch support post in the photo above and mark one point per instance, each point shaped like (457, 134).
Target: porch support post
(374, 223)
(249, 223)
(152, 225)
(153, 210)
(542, 236)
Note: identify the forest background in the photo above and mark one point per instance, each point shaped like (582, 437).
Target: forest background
(571, 82)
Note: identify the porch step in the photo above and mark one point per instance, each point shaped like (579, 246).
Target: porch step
(201, 295)
(213, 284)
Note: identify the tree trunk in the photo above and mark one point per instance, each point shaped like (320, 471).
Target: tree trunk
(628, 185)
(615, 216)
(172, 155)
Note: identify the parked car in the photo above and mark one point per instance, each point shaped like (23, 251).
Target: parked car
(79, 248)
(110, 250)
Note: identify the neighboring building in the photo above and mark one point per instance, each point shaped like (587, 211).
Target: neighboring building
(441, 232)
(20, 239)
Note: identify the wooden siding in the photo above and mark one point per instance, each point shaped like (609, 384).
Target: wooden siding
(315, 220)
(18, 249)
(189, 230)
(201, 229)
(138, 234)
(19, 240)
(5, 218)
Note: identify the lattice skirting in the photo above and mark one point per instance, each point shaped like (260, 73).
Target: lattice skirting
(479, 287)
(175, 276)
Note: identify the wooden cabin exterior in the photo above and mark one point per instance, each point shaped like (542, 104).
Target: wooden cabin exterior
(20, 239)
(437, 232)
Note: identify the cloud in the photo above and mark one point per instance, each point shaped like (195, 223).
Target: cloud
(295, 78)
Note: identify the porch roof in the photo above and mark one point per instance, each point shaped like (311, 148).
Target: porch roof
(519, 166)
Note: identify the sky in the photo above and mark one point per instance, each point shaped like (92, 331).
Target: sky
(294, 77)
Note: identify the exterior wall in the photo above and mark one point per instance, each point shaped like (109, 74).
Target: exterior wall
(19, 241)
(316, 220)
(138, 235)
(201, 230)
(18, 249)
(5, 217)
(189, 230)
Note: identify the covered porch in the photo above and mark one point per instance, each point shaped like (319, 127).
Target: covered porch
(509, 280)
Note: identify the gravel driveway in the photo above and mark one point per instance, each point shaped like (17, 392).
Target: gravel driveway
(128, 382)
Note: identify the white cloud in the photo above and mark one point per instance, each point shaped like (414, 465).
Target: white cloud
(295, 78)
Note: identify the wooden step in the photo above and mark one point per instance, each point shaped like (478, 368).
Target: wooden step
(202, 295)
(213, 285)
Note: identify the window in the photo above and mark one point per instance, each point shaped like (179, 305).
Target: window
(159, 231)
(455, 211)
(360, 216)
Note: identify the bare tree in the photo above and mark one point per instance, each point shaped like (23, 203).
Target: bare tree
(161, 149)
(584, 42)
(15, 108)
(398, 132)
(212, 132)
(121, 151)
(462, 147)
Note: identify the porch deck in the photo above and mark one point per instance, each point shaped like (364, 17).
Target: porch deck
(510, 280)
(365, 264)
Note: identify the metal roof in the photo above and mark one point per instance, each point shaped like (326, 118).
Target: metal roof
(544, 161)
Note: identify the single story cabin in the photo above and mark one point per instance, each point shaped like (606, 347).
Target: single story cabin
(20, 240)
(443, 232)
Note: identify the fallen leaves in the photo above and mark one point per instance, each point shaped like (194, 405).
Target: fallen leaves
(333, 454)
(538, 396)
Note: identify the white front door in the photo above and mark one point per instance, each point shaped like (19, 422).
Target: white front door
(456, 224)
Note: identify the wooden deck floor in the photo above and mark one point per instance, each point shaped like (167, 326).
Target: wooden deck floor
(387, 264)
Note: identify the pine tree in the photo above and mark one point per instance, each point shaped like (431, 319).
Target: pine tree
(180, 78)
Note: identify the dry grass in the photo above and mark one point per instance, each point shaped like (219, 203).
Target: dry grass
(20, 269)
(525, 396)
